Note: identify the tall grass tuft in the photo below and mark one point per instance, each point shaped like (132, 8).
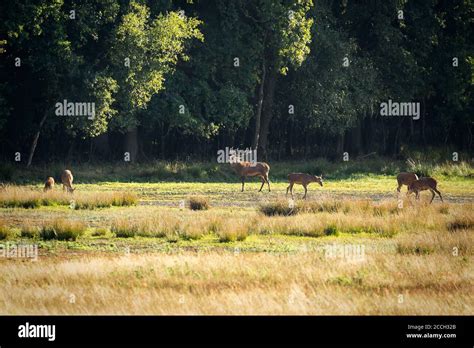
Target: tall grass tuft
(279, 207)
(124, 228)
(232, 233)
(29, 231)
(61, 229)
(462, 222)
(345, 206)
(100, 232)
(199, 203)
(20, 197)
(5, 232)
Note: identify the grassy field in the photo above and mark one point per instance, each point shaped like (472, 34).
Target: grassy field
(353, 247)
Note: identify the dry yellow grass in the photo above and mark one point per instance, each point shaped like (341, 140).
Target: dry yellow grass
(21, 197)
(352, 216)
(417, 260)
(229, 283)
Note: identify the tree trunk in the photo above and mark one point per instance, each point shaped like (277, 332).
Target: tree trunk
(267, 113)
(131, 143)
(258, 115)
(164, 140)
(70, 151)
(355, 136)
(289, 137)
(35, 140)
(340, 145)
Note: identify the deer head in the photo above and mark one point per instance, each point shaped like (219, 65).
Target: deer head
(318, 179)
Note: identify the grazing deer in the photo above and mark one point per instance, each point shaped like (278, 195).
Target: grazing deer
(49, 184)
(244, 169)
(66, 179)
(424, 184)
(405, 179)
(302, 179)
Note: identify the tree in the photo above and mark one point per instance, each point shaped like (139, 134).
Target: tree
(284, 33)
(145, 52)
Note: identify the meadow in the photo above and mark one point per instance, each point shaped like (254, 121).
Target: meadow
(204, 247)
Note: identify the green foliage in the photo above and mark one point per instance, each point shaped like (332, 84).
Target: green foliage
(153, 48)
(293, 49)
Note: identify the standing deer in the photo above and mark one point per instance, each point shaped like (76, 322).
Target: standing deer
(66, 179)
(244, 169)
(424, 184)
(405, 179)
(302, 179)
(49, 184)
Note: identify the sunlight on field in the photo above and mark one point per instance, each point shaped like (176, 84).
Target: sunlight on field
(229, 193)
(351, 248)
(225, 283)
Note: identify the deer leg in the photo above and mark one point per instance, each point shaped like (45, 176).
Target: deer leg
(291, 190)
(287, 190)
(268, 182)
(432, 195)
(243, 181)
(263, 183)
(399, 187)
(305, 191)
(439, 194)
(417, 195)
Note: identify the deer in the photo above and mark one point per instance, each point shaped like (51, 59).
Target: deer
(48, 184)
(66, 179)
(405, 178)
(244, 169)
(423, 184)
(302, 179)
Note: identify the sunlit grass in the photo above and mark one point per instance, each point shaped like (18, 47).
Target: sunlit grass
(233, 259)
(62, 230)
(21, 197)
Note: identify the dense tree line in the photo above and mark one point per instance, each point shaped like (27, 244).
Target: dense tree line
(178, 79)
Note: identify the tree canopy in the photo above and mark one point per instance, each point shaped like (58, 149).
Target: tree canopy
(293, 78)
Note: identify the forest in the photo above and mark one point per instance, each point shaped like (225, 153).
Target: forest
(294, 79)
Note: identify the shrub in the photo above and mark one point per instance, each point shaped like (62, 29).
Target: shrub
(237, 232)
(62, 230)
(280, 207)
(6, 172)
(100, 231)
(198, 203)
(124, 228)
(331, 230)
(28, 231)
(123, 199)
(5, 232)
